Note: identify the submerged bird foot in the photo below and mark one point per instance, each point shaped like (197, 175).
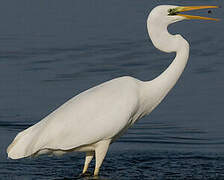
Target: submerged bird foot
(86, 174)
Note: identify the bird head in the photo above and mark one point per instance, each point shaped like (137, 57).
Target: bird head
(163, 15)
(170, 14)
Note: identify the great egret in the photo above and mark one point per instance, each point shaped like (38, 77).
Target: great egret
(92, 120)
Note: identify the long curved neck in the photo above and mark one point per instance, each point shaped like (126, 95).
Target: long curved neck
(166, 80)
(158, 88)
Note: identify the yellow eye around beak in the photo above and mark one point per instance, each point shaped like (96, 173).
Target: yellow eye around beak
(190, 8)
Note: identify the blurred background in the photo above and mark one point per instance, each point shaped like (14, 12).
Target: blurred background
(52, 50)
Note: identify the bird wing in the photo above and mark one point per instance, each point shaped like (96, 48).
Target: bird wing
(98, 113)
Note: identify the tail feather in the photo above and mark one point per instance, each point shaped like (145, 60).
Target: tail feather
(20, 147)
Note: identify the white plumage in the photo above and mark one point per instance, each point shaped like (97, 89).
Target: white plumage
(92, 120)
(80, 121)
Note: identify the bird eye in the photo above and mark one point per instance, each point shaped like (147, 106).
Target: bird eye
(170, 10)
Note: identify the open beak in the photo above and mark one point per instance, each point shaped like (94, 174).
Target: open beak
(190, 8)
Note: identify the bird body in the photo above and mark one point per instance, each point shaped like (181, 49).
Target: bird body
(95, 118)
(112, 106)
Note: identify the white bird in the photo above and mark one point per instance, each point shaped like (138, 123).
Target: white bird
(92, 120)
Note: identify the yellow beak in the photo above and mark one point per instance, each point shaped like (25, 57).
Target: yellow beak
(190, 8)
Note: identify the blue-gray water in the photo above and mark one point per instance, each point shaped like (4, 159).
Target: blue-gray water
(53, 50)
